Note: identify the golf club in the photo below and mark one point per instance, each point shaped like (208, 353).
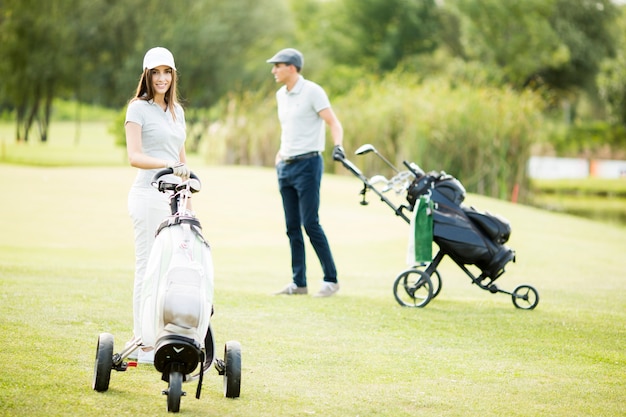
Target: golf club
(363, 149)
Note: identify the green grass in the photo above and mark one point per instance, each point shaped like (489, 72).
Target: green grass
(589, 186)
(66, 266)
(607, 209)
(594, 198)
(69, 144)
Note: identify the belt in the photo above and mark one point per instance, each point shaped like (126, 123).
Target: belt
(292, 159)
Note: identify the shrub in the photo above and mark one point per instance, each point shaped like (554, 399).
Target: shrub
(481, 135)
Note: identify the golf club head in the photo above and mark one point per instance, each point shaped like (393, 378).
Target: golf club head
(363, 149)
(194, 185)
(378, 179)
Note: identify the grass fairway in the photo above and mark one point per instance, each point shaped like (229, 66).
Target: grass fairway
(66, 265)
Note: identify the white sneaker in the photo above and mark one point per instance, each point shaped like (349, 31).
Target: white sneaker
(146, 357)
(328, 289)
(292, 289)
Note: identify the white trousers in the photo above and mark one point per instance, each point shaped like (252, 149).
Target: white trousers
(147, 208)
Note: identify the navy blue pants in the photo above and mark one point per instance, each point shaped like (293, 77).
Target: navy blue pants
(299, 184)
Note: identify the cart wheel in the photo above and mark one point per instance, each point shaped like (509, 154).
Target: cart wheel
(413, 288)
(104, 362)
(174, 391)
(232, 364)
(525, 297)
(435, 278)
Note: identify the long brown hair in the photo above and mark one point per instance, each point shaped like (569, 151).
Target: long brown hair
(146, 92)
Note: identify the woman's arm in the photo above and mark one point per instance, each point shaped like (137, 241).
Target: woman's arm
(136, 157)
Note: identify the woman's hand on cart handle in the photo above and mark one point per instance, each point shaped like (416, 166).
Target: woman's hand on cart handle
(180, 169)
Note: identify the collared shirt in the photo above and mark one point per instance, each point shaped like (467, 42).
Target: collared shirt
(161, 136)
(303, 129)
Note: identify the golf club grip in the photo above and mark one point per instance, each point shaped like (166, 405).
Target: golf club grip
(408, 165)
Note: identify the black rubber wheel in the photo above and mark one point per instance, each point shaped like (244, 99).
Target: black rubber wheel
(413, 288)
(174, 391)
(525, 297)
(232, 374)
(104, 362)
(435, 278)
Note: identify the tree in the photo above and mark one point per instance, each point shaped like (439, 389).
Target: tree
(106, 33)
(222, 45)
(60, 48)
(91, 51)
(612, 76)
(584, 27)
(514, 36)
(379, 34)
(33, 68)
(554, 43)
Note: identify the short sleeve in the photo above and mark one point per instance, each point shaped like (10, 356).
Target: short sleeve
(134, 113)
(319, 98)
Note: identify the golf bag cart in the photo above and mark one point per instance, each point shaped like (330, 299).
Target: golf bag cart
(177, 305)
(468, 236)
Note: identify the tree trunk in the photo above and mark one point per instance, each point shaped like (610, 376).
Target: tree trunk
(44, 121)
(32, 113)
(20, 116)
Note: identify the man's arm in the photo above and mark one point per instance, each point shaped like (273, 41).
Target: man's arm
(336, 129)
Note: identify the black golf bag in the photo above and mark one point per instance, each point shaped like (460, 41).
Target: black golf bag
(468, 236)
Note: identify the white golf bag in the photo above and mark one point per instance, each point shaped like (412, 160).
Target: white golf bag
(177, 295)
(177, 305)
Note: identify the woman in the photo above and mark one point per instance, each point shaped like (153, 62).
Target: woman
(155, 139)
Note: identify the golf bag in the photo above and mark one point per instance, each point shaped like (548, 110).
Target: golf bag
(178, 295)
(177, 305)
(468, 236)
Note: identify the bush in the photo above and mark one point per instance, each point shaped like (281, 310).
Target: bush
(481, 135)
(591, 139)
(71, 111)
(243, 129)
(116, 128)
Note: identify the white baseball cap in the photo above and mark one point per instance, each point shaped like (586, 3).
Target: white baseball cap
(158, 56)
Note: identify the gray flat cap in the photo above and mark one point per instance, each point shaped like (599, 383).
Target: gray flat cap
(288, 56)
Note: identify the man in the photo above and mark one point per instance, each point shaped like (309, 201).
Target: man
(304, 111)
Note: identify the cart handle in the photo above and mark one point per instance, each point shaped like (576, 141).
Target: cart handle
(195, 185)
(399, 210)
